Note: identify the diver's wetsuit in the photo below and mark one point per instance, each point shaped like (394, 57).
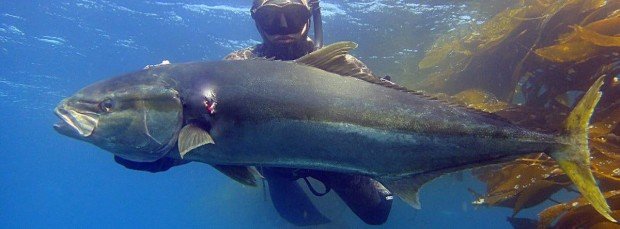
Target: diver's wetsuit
(264, 51)
(367, 198)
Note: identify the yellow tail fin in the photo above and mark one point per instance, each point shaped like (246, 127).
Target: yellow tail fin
(574, 156)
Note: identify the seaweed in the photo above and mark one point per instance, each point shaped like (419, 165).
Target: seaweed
(579, 213)
(529, 63)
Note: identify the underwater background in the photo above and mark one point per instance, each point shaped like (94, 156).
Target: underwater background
(50, 49)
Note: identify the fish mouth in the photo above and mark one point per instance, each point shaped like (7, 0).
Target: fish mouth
(74, 124)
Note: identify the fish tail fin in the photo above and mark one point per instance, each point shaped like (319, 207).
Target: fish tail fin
(574, 154)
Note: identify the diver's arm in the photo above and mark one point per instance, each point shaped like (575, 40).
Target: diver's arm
(160, 165)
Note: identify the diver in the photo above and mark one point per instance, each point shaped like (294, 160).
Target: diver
(284, 26)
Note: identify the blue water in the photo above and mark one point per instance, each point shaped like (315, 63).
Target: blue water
(50, 49)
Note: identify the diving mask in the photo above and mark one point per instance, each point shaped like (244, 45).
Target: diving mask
(282, 17)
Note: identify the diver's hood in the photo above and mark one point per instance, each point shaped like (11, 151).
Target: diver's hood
(280, 3)
(270, 14)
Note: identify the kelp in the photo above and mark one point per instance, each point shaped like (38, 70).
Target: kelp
(437, 54)
(523, 184)
(575, 51)
(529, 64)
(444, 46)
(484, 37)
(480, 100)
(579, 213)
(495, 30)
(597, 38)
(591, 5)
(506, 47)
(584, 42)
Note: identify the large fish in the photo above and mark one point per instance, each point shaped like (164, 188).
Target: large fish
(233, 114)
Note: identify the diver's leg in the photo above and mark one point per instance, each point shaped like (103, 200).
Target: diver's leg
(367, 198)
(289, 198)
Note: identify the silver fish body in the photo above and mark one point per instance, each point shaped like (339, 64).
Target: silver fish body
(289, 115)
(295, 115)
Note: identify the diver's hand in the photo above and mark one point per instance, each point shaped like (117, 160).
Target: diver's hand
(387, 78)
(163, 62)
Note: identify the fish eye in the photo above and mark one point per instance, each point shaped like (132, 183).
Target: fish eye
(106, 105)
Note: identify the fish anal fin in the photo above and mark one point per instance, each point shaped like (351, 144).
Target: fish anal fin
(242, 174)
(407, 188)
(192, 137)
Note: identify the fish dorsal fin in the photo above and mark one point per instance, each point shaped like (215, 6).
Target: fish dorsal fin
(334, 58)
(192, 137)
(245, 175)
(327, 55)
(407, 188)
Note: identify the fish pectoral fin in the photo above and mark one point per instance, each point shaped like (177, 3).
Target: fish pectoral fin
(192, 137)
(242, 174)
(407, 188)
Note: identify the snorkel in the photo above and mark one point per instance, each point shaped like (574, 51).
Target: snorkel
(318, 23)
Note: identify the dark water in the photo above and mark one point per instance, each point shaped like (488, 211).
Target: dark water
(49, 49)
